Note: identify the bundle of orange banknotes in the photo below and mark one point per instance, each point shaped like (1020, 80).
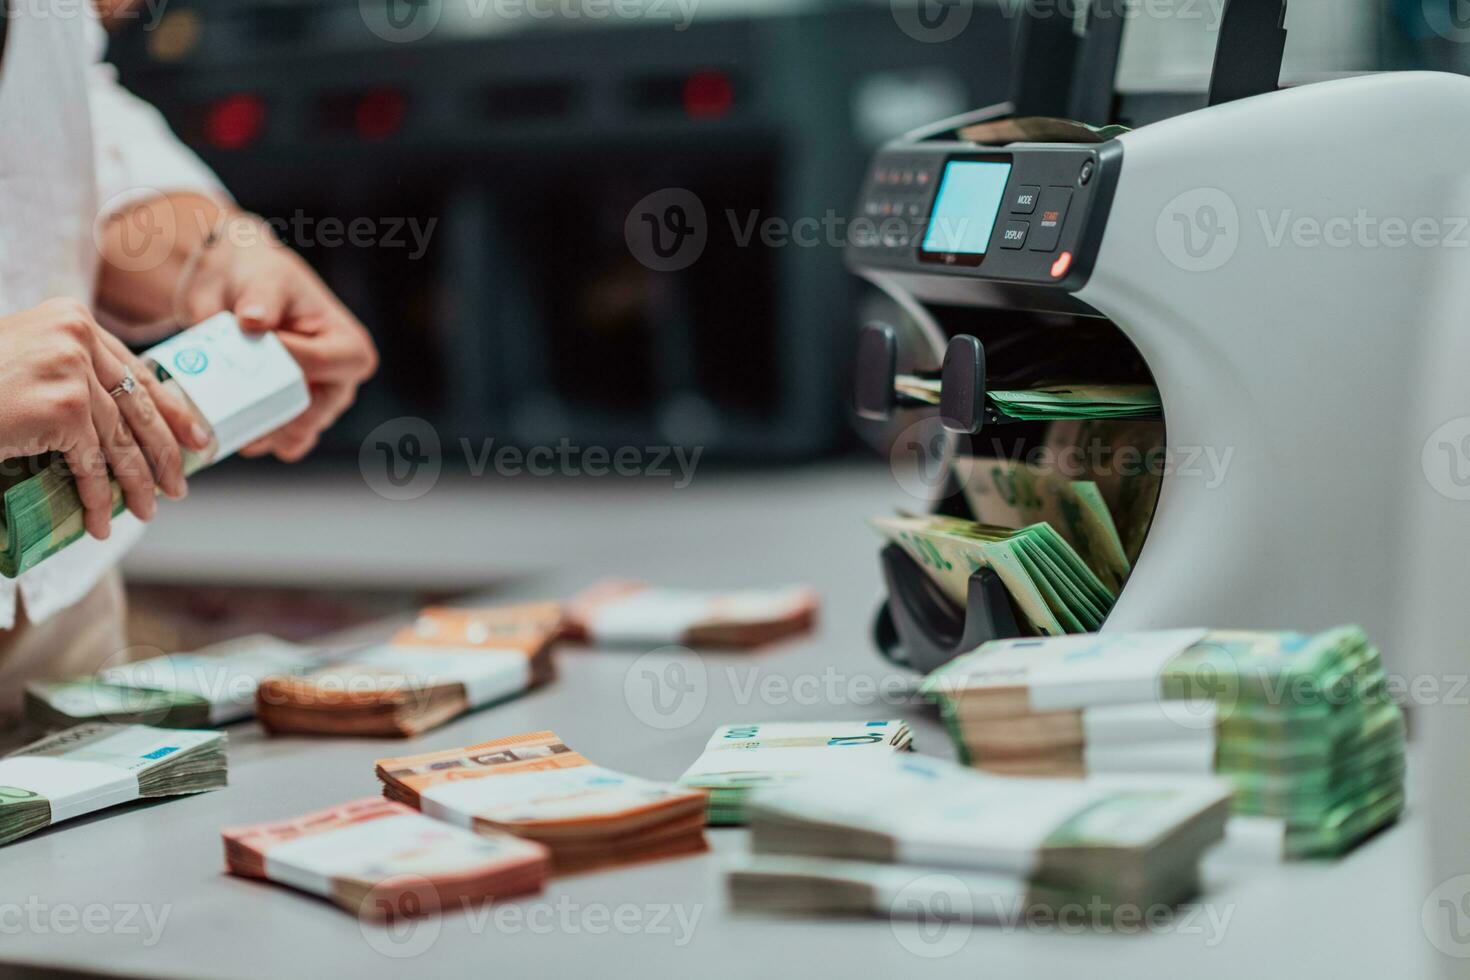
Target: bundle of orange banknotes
(536, 787)
(448, 662)
(617, 612)
(381, 860)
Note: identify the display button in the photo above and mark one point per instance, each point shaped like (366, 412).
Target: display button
(1014, 234)
(1023, 199)
(1052, 213)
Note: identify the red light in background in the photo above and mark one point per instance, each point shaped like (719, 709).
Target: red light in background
(235, 121)
(708, 94)
(1061, 265)
(380, 113)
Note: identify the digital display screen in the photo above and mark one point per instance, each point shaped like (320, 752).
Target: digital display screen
(966, 206)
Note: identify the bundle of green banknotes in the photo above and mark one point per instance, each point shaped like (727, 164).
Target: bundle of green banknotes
(1300, 724)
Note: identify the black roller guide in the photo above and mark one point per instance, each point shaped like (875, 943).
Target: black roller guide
(877, 367)
(919, 628)
(962, 388)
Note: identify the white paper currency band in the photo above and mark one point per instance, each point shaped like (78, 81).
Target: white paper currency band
(1153, 721)
(312, 861)
(443, 802)
(245, 385)
(917, 892)
(649, 616)
(1082, 680)
(487, 675)
(227, 681)
(72, 787)
(1197, 757)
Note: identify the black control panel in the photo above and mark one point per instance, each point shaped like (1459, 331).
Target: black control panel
(1030, 214)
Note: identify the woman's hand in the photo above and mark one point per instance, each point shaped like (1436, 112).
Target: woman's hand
(56, 369)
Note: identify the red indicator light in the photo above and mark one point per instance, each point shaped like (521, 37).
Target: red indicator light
(235, 121)
(708, 95)
(380, 113)
(1061, 265)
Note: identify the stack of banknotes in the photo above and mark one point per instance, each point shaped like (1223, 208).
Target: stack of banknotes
(241, 386)
(1007, 493)
(1097, 401)
(212, 686)
(448, 662)
(381, 860)
(834, 843)
(95, 766)
(739, 758)
(1125, 458)
(1052, 589)
(534, 786)
(1300, 724)
(618, 612)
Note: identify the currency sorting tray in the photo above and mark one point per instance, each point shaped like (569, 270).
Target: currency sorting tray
(918, 626)
(961, 390)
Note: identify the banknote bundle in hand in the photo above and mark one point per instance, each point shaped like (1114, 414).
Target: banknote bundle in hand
(212, 686)
(1300, 724)
(381, 860)
(95, 766)
(618, 612)
(448, 662)
(1052, 589)
(739, 758)
(856, 842)
(536, 787)
(240, 387)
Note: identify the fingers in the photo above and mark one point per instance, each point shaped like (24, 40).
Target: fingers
(142, 430)
(129, 468)
(177, 415)
(332, 356)
(89, 471)
(298, 437)
(262, 303)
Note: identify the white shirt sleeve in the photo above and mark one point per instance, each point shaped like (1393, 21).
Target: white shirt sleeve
(137, 155)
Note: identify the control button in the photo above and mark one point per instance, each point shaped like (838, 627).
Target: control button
(1061, 265)
(914, 210)
(1085, 177)
(1023, 199)
(1053, 212)
(871, 209)
(923, 177)
(1014, 235)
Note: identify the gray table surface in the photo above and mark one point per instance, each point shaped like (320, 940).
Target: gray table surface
(141, 889)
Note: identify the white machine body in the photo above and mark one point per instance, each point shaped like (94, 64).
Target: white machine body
(1290, 266)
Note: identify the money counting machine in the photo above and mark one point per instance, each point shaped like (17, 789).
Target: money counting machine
(1260, 258)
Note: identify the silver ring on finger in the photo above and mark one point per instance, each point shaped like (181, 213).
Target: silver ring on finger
(123, 387)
